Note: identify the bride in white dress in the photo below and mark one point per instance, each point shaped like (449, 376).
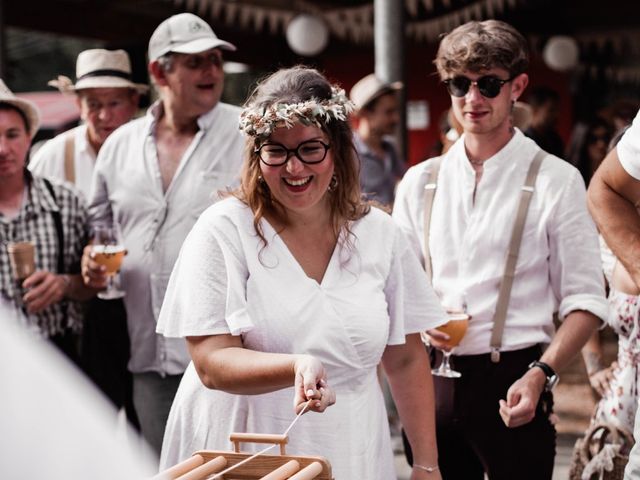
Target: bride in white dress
(295, 289)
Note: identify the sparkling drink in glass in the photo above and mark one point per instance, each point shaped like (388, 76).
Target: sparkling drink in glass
(108, 250)
(456, 328)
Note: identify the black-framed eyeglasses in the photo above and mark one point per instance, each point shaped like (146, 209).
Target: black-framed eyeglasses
(489, 85)
(276, 154)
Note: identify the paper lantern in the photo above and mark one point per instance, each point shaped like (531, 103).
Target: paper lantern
(561, 53)
(307, 35)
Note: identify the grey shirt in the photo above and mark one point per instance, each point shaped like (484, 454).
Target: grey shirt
(379, 175)
(127, 187)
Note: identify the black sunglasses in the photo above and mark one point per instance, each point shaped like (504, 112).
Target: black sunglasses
(489, 85)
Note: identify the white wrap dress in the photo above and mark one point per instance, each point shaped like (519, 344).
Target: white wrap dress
(374, 292)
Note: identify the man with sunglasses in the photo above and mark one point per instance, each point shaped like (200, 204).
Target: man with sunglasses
(494, 419)
(154, 177)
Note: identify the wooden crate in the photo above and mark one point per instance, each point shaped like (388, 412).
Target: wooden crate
(204, 464)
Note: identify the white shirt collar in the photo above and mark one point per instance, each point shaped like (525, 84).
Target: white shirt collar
(503, 158)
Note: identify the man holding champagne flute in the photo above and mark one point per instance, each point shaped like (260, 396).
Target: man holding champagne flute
(503, 225)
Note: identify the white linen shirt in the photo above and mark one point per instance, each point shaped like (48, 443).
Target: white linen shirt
(558, 268)
(127, 186)
(628, 149)
(48, 161)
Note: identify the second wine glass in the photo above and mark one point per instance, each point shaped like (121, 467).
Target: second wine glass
(456, 327)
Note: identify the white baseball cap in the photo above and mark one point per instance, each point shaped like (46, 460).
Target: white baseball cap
(184, 33)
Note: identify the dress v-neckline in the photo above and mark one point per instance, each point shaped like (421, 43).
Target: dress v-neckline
(295, 261)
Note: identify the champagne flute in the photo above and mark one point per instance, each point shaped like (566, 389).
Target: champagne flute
(456, 327)
(108, 250)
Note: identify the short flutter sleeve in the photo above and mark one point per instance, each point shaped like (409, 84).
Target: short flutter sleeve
(206, 294)
(413, 305)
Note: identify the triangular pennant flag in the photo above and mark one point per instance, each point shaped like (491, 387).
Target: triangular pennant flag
(428, 4)
(274, 21)
(231, 10)
(216, 8)
(412, 7)
(259, 16)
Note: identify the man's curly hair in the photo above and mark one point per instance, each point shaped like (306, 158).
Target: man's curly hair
(477, 46)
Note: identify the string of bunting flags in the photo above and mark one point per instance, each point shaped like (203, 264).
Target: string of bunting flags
(353, 24)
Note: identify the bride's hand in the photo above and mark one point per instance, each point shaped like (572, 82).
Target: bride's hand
(311, 384)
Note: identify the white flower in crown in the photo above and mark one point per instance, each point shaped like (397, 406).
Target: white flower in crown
(258, 122)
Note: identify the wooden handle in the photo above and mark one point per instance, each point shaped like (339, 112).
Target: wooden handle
(238, 438)
(310, 472)
(180, 469)
(284, 472)
(212, 466)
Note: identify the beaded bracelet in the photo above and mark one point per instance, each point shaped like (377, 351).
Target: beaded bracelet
(426, 469)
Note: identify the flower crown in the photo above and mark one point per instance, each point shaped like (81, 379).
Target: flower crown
(260, 122)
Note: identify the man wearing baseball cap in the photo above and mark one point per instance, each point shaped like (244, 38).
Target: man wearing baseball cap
(378, 116)
(107, 98)
(154, 176)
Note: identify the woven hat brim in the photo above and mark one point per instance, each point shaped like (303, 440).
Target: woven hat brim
(108, 82)
(29, 109)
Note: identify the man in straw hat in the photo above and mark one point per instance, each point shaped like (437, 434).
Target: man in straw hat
(107, 98)
(503, 231)
(378, 116)
(154, 177)
(42, 234)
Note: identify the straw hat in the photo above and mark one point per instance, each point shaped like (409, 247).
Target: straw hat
(369, 88)
(184, 33)
(99, 68)
(25, 106)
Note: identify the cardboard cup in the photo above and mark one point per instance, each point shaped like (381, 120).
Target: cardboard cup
(21, 258)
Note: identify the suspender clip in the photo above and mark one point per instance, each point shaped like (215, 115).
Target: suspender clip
(495, 355)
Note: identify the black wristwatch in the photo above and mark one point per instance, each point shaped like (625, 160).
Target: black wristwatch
(552, 376)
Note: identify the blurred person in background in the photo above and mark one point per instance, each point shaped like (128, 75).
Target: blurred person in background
(54, 423)
(378, 114)
(589, 153)
(545, 108)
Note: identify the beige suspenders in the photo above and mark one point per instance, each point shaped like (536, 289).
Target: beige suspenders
(69, 154)
(504, 293)
(429, 195)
